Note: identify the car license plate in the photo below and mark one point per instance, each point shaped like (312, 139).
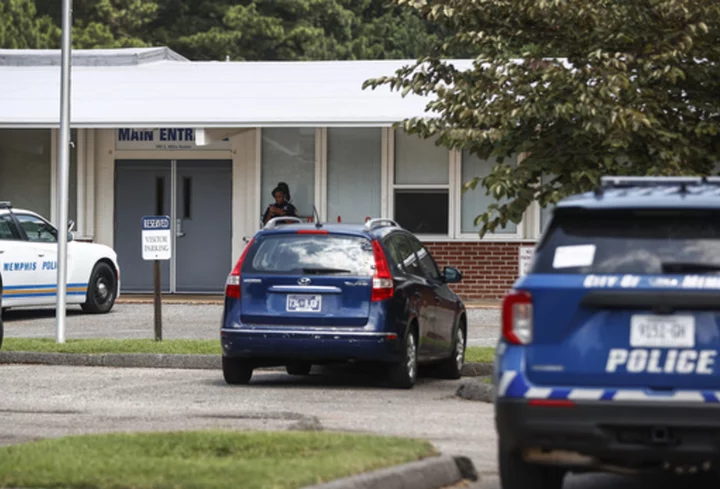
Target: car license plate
(304, 303)
(662, 331)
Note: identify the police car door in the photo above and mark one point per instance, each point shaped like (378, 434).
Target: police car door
(18, 264)
(42, 247)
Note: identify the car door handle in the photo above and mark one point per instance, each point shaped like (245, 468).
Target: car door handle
(437, 298)
(417, 293)
(41, 254)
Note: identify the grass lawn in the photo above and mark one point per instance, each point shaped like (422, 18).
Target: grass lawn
(187, 347)
(207, 459)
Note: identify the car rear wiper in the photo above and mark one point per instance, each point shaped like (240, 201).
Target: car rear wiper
(321, 270)
(689, 267)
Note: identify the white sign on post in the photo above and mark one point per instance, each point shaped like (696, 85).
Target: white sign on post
(156, 243)
(525, 259)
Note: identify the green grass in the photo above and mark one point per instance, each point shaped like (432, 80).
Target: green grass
(201, 459)
(186, 347)
(480, 354)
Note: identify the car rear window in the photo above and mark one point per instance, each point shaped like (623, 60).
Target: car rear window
(629, 241)
(312, 254)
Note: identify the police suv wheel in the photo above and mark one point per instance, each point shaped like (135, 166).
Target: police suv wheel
(236, 371)
(451, 368)
(2, 331)
(102, 290)
(516, 473)
(404, 374)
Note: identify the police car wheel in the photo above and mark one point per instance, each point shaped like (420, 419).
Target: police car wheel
(1, 331)
(516, 473)
(404, 373)
(451, 368)
(299, 368)
(236, 371)
(102, 290)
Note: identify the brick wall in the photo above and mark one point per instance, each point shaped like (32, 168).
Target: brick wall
(489, 269)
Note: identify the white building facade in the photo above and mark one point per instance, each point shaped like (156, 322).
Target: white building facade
(206, 142)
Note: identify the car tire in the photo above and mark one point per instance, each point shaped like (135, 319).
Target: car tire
(299, 368)
(2, 329)
(102, 290)
(236, 371)
(516, 473)
(404, 374)
(451, 368)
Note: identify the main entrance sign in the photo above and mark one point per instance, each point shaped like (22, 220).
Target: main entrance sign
(163, 139)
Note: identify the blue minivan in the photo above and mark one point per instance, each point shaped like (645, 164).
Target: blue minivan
(305, 294)
(608, 355)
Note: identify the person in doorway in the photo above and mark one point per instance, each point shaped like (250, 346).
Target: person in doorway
(282, 205)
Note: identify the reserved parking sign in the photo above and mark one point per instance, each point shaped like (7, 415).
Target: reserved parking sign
(156, 244)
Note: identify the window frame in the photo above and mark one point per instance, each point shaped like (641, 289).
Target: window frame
(15, 228)
(392, 187)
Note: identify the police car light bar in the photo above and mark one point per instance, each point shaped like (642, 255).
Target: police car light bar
(5, 205)
(610, 182)
(277, 221)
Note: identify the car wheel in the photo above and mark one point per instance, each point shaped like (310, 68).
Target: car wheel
(451, 368)
(236, 371)
(102, 290)
(299, 368)
(516, 473)
(2, 329)
(404, 373)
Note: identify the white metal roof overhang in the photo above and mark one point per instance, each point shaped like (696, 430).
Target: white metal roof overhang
(208, 95)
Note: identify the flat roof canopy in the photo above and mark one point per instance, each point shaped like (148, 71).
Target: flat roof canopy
(118, 88)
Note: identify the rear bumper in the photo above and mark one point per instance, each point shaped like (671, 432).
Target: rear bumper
(632, 435)
(311, 344)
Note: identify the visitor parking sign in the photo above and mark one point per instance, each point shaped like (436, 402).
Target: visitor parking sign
(156, 244)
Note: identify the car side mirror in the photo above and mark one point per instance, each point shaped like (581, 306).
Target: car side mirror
(70, 236)
(452, 275)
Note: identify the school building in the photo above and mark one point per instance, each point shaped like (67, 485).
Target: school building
(206, 142)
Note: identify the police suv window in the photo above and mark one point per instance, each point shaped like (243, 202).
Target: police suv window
(630, 241)
(7, 228)
(36, 229)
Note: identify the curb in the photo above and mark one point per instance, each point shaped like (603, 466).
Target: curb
(157, 360)
(430, 473)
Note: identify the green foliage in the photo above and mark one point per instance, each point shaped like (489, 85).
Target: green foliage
(22, 28)
(250, 29)
(637, 92)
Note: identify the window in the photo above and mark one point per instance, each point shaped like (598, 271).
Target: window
(354, 174)
(300, 254)
(7, 228)
(288, 155)
(630, 241)
(426, 260)
(421, 187)
(25, 168)
(476, 202)
(403, 255)
(36, 229)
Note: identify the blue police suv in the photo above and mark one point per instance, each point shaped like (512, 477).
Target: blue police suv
(608, 356)
(304, 294)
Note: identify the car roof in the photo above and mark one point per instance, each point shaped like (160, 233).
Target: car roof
(17, 211)
(649, 193)
(332, 228)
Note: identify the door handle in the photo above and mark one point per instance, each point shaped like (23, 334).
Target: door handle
(41, 254)
(417, 293)
(437, 298)
(178, 228)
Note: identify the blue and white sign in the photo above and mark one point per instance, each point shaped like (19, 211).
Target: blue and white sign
(156, 238)
(163, 139)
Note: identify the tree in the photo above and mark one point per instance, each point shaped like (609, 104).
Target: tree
(21, 28)
(107, 23)
(636, 92)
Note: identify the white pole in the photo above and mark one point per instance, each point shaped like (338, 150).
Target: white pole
(63, 170)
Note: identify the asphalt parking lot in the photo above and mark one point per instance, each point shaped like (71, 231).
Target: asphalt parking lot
(198, 321)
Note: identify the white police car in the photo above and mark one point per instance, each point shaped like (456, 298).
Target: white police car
(608, 359)
(28, 266)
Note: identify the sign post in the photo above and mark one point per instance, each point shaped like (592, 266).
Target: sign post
(156, 246)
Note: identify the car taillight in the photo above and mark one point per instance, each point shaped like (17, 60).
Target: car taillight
(517, 318)
(382, 282)
(232, 286)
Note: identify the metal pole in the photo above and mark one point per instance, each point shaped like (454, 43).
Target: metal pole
(63, 170)
(157, 296)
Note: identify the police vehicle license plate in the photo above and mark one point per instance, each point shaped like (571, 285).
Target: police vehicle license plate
(304, 303)
(662, 331)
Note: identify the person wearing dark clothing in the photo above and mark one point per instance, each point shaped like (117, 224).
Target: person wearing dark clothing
(282, 205)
